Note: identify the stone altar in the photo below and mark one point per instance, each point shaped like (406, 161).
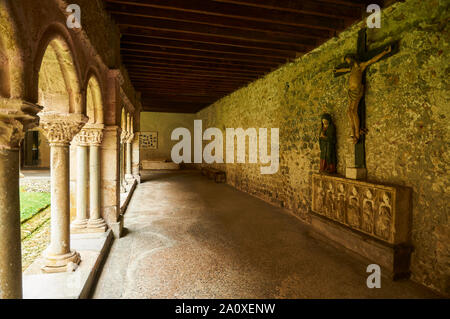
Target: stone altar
(373, 220)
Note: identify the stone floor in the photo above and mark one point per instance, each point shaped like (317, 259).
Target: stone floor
(188, 237)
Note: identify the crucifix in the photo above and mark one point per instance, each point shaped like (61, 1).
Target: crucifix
(357, 65)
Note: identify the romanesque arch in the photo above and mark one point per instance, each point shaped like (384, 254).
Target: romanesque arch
(94, 100)
(11, 57)
(56, 76)
(5, 84)
(57, 87)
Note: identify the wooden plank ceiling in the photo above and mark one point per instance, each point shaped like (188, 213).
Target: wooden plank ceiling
(184, 55)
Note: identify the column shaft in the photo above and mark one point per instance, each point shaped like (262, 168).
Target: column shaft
(10, 242)
(94, 171)
(128, 162)
(122, 168)
(96, 222)
(60, 200)
(82, 216)
(60, 129)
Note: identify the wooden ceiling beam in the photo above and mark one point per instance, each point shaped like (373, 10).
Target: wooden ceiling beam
(213, 39)
(154, 87)
(239, 64)
(304, 6)
(192, 98)
(194, 66)
(178, 82)
(186, 88)
(213, 98)
(352, 3)
(190, 53)
(164, 84)
(224, 14)
(188, 75)
(223, 31)
(200, 47)
(212, 47)
(136, 69)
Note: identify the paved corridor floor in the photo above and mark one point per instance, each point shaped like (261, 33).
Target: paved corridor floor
(188, 237)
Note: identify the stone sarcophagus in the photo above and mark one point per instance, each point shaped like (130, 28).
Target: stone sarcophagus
(371, 219)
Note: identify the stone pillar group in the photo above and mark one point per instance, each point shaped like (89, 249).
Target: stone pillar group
(96, 222)
(60, 130)
(89, 139)
(126, 140)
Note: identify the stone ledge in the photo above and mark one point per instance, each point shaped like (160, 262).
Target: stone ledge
(69, 285)
(125, 197)
(394, 260)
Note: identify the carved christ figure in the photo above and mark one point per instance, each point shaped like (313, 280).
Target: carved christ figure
(356, 88)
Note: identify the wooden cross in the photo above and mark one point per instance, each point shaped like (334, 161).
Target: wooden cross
(364, 55)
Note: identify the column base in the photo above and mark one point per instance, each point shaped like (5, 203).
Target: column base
(61, 263)
(78, 226)
(355, 173)
(117, 227)
(96, 226)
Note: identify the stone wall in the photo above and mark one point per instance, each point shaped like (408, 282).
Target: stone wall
(163, 124)
(407, 100)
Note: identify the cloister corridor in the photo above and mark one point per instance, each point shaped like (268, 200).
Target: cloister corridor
(188, 237)
(208, 149)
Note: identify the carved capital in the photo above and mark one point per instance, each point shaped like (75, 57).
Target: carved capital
(129, 138)
(61, 128)
(90, 134)
(123, 136)
(16, 116)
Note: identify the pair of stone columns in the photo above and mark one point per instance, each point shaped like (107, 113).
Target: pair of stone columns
(60, 129)
(126, 139)
(90, 137)
(16, 116)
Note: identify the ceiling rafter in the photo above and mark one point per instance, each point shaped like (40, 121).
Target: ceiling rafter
(186, 54)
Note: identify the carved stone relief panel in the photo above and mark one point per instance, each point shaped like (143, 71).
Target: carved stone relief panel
(378, 210)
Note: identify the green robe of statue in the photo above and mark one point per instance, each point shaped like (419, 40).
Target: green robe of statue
(328, 146)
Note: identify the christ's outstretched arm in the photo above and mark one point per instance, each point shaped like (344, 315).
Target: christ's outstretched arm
(364, 65)
(341, 70)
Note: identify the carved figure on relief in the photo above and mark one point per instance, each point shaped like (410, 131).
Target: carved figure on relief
(329, 201)
(319, 197)
(367, 212)
(340, 211)
(384, 218)
(353, 211)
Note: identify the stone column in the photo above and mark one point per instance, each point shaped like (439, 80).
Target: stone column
(60, 130)
(128, 173)
(80, 222)
(15, 117)
(128, 141)
(96, 222)
(123, 138)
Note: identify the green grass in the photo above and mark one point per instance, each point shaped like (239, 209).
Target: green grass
(32, 203)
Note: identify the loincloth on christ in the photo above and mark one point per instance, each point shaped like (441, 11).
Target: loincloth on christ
(356, 94)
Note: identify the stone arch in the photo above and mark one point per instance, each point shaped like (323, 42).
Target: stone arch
(56, 83)
(5, 82)
(94, 99)
(11, 58)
